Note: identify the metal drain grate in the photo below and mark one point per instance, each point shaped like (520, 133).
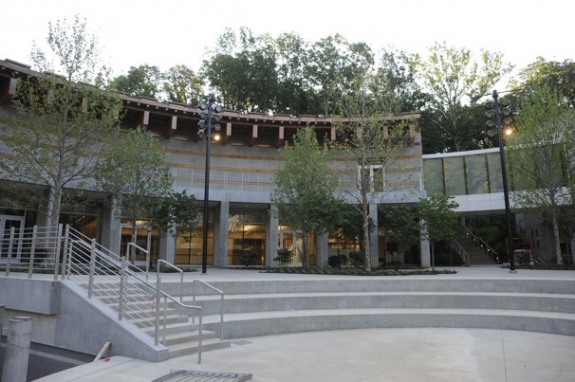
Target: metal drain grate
(203, 376)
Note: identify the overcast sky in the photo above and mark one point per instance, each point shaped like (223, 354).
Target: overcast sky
(168, 32)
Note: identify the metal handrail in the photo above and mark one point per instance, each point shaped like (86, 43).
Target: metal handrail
(483, 244)
(221, 293)
(168, 264)
(461, 252)
(136, 246)
(167, 297)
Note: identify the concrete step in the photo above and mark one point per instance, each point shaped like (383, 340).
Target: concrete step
(332, 284)
(281, 322)
(355, 300)
(211, 344)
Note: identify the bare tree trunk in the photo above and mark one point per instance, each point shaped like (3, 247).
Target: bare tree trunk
(557, 240)
(367, 248)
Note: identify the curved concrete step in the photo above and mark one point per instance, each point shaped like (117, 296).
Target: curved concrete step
(280, 322)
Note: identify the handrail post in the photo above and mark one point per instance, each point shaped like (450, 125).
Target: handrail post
(157, 318)
(122, 287)
(32, 251)
(222, 318)
(65, 250)
(194, 300)
(10, 247)
(200, 339)
(57, 253)
(92, 268)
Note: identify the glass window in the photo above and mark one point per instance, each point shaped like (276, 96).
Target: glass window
(433, 173)
(494, 169)
(454, 172)
(476, 174)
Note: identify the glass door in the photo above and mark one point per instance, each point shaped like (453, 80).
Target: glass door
(7, 247)
(292, 241)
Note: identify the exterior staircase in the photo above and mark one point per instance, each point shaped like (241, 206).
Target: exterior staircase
(271, 307)
(476, 253)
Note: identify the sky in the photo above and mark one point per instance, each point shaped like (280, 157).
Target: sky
(169, 32)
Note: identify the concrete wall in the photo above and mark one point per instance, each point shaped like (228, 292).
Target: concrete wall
(64, 317)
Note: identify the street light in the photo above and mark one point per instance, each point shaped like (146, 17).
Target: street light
(205, 133)
(493, 110)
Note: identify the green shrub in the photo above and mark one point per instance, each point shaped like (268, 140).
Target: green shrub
(284, 257)
(249, 259)
(357, 258)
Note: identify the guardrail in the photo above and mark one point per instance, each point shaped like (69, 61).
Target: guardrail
(482, 244)
(33, 249)
(461, 252)
(221, 293)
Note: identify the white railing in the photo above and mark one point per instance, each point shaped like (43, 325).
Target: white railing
(218, 291)
(32, 250)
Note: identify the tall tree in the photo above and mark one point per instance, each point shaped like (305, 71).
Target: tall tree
(134, 175)
(334, 67)
(304, 189)
(438, 220)
(541, 157)
(143, 81)
(368, 149)
(557, 76)
(179, 216)
(182, 85)
(55, 135)
(457, 81)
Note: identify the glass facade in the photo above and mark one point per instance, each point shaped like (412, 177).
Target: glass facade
(246, 237)
(477, 173)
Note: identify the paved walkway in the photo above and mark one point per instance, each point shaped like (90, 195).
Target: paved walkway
(422, 354)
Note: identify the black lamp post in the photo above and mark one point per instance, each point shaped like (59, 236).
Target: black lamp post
(205, 133)
(495, 111)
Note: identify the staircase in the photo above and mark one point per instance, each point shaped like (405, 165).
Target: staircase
(270, 307)
(139, 298)
(476, 254)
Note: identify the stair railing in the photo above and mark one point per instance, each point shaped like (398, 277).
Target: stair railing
(132, 258)
(218, 291)
(178, 269)
(112, 280)
(483, 244)
(461, 252)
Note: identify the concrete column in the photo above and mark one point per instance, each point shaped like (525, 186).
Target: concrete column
(272, 225)
(168, 248)
(321, 249)
(17, 349)
(221, 235)
(425, 252)
(373, 239)
(43, 218)
(111, 229)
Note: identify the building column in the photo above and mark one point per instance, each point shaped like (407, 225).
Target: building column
(425, 252)
(272, 226)
(111, 229)
(44, 211)
(321, 249)
(373, 239)
(168, 248)
(221, 235)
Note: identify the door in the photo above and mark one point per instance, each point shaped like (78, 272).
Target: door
(292, 241)
(12, 248)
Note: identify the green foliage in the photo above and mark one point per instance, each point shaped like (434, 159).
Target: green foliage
(357, 258)
(182, 85)
(249, 259)
(134, 174)
(438, 220)
(303, 196)
(457, 81)
(284, 257)
(400, 224)
(56, 131)
(143, 81)
(541, 157)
